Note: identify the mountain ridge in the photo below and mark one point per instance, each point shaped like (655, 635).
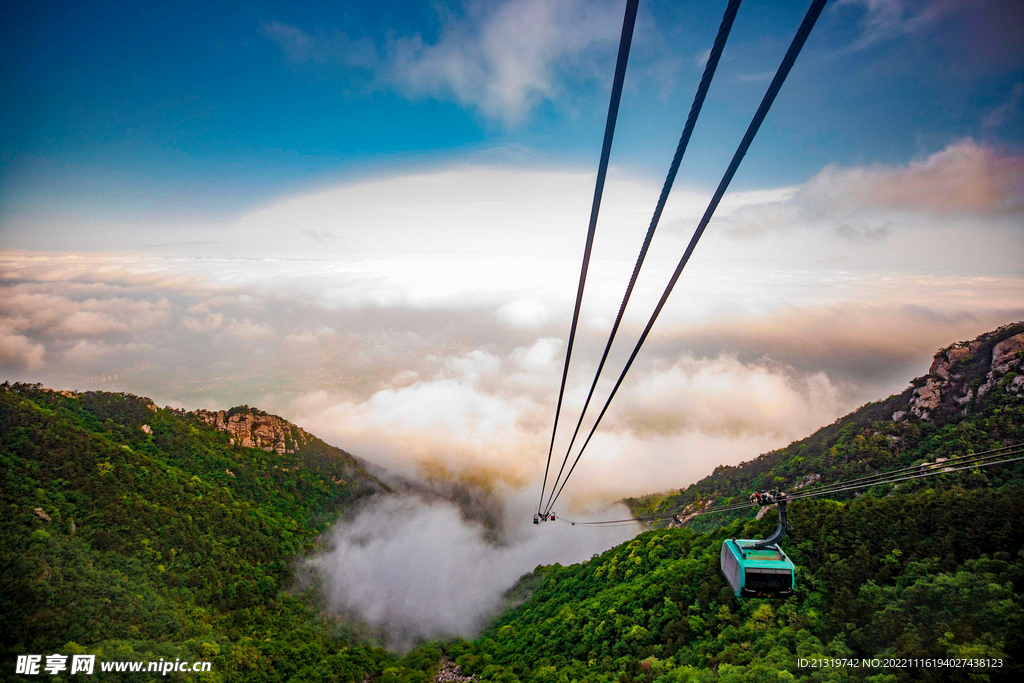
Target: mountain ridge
(965, 378)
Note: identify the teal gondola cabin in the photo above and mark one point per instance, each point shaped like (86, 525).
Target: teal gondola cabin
(757, 572)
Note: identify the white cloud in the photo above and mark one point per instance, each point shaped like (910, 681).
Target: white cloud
(995, 118)
(885, 20)
(963, 177)
(321, 47)
(723, 396)
(246, 330)
(746, 358)
(759, 77)
(524, 313)
(503, 236)
(403, 557)
(211, 321)
(90, 324)
(502, 58)
(86, 352)
(961, 207)
(18, 351)
(538, 357)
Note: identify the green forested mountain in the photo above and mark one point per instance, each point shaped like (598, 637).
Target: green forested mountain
(970, 401)
(138, 533)
(933, 574)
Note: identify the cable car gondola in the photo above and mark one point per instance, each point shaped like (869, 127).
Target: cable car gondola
(760, 568)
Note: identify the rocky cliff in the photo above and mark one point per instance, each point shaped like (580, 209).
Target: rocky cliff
(254, 428)
(965, 371)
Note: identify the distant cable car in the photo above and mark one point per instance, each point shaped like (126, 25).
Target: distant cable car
(759, 568)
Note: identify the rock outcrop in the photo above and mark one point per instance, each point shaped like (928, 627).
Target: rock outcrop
(450, 672)
(691, 512)
(927, 397)
(1006, 353)
(967, 370)
(255, 429)
(807, 480)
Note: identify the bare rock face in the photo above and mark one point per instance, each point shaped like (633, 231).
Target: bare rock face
(945, 361)
(962, 350)
(255, 429)
(963, 372)
(927, 397)
(940, 366)
(450, 672)
(807, 480)
(690, 513)
(1004, 354)
(961, 400)
(41, 514)
(682, 522)
(147, 429)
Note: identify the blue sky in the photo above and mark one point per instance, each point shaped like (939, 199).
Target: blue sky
(187, 110)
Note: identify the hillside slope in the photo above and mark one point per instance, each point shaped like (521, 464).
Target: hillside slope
(134, 532)
(938, 573)
(971, 400)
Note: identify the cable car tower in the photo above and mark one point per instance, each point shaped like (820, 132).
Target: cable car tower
(760, 568)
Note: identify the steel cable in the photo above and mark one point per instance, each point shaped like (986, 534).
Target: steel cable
(762, 111)
(937, 469)
(942, 470)
(885, 475)
(625, 40)
(684, 139)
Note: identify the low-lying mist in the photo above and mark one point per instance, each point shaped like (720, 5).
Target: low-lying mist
(414, 567)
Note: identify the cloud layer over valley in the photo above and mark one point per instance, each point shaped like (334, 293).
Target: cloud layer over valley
(800, 304)
(412, 569)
